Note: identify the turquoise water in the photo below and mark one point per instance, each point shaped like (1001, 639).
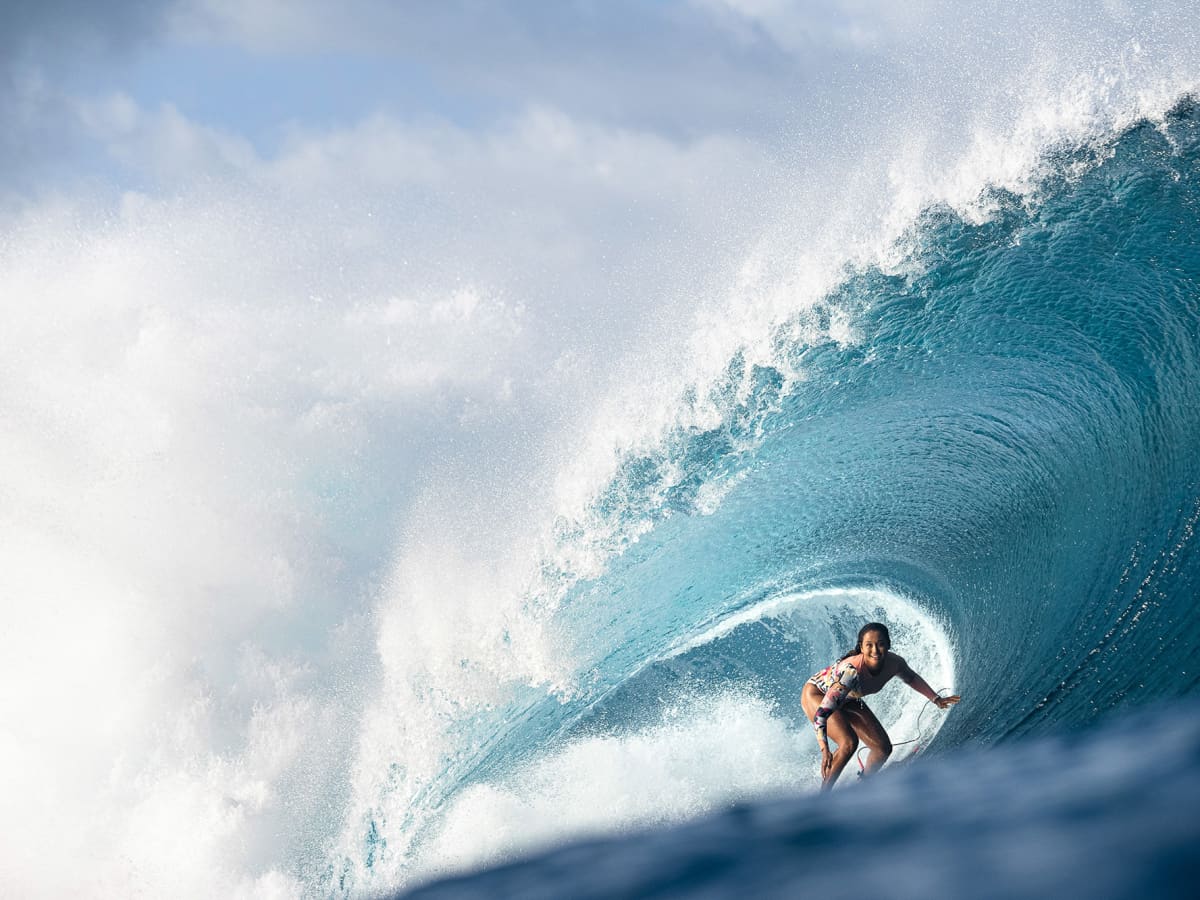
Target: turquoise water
(1003, 464)
(1014, 443)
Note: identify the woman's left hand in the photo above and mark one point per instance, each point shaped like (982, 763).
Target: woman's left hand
(943, 702)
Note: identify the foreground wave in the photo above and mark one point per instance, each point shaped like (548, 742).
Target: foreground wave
(1108, 813)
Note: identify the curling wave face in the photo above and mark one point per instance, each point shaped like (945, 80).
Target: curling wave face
(1002, 461)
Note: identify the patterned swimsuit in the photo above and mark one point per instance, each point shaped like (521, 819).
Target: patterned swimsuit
(839, 684)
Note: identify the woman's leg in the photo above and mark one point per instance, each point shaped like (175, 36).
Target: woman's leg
(841, 733)
(838, 730)
(871, 733)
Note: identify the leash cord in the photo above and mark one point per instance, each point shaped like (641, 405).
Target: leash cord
(858, 756)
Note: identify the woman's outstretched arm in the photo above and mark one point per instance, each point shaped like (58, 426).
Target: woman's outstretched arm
(921, 686)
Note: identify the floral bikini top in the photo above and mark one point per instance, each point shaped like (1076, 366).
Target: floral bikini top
(844, 672)
(838, 683)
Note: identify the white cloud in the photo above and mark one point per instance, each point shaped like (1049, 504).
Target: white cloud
(268, 25)
(797, 27)
(163, 144)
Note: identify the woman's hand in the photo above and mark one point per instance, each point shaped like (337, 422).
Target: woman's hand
(826, 761)
(943, 702)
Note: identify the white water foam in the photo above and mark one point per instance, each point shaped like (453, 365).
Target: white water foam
(706, 753)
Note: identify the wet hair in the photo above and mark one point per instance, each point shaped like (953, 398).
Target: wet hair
(862, 632)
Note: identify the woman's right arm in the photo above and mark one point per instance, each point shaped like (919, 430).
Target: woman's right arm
(846, 681)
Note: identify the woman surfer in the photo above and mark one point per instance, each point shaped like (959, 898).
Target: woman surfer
(832, 699)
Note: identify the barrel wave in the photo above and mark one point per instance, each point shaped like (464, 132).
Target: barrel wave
(992, 444)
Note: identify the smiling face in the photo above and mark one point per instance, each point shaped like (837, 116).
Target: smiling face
(874, 649)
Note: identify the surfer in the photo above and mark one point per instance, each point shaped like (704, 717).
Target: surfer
(832, 699)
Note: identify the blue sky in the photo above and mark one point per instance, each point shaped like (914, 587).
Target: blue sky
(263, 70)
(788, 77)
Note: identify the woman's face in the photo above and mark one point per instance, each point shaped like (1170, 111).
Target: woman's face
(874, 649)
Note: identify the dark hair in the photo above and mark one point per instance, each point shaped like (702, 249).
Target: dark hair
(870, 626)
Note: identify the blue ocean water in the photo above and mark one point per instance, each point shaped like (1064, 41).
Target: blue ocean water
(1004, 466)
(1074, 816)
